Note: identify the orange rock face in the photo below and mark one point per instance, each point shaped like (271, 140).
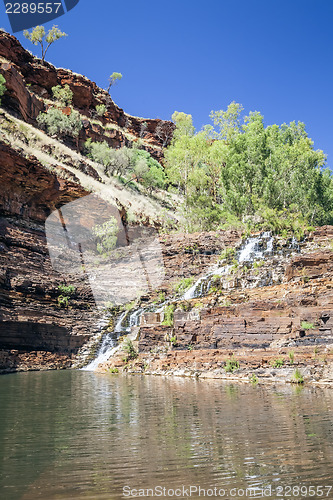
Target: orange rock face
(29, 82)
(31, 318)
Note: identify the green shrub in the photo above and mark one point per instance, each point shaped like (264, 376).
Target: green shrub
(227, 254)
(168, 315)
(106, 235)
(305, 325)
(130, 305)
(63, 301)
(63, 94)
(55, 122)
(136, 164)
(173, 340)
(183, 285)
(254, 379)
(2, 86)
(100, 109)
(100, 152)
(130, 350)
(231, 365)
(291, 357)
(147, 170)
(67, 291)
(297, 377)
(185, 305)
(114, 369)
(277, 363)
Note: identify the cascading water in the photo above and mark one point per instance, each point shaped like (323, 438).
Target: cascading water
(255, 248)
(202, 286)
(110, 340)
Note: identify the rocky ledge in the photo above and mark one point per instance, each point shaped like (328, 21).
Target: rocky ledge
(39, 329)
(29, 90)
(276, 332)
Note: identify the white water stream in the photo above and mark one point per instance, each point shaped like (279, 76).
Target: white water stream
(255, 248)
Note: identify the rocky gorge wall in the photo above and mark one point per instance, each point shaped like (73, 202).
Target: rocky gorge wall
(256, 317)
(33, 326)
(254, 322)
(29, 90)
(267, 330)
(37, 176)
(36, 331)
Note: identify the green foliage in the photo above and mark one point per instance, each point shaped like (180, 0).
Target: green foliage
(185, 305)
(2, 86)
(277, 363)
(130, 305)
(305, 325)
(257, 264)
(183, 284)
(55, 122)
(63, 301)
(242, 174)
(100, 152)
(62, 94)
(168, 315)
(228, 122)
(38, 36)
(137, 164)
(291, 356)
(68, 291)
(231, 365)
(297, 377)
(106, 235)
(114, 78)
(147, 170)
(190, 347)
(100, 109)
(130, 350)
(227, 255)
(114, 369)
(254, 379)
(173, 341)
(161, 296)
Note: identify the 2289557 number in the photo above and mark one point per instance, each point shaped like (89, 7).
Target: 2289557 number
(32, 8)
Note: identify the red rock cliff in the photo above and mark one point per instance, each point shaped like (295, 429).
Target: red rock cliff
(29, 82)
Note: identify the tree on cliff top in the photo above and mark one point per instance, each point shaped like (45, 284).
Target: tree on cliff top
(114, 78)
(38, 36)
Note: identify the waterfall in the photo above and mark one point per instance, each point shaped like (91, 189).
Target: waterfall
(255, 248)
(109, 343)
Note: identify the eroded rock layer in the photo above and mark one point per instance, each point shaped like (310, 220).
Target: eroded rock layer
(29, 87)
(31, 317)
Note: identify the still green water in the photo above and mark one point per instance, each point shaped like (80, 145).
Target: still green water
(81, 435)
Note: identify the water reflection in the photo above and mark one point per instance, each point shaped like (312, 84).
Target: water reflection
(85, 435)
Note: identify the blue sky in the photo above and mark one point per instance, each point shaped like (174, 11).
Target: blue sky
(273, 56)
